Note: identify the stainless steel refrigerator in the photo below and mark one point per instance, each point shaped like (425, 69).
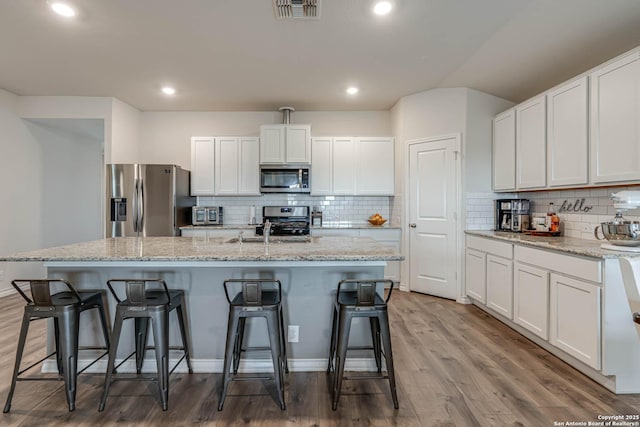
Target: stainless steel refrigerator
(147, 200)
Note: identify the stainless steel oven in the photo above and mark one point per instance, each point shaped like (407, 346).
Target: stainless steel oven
(284, 179)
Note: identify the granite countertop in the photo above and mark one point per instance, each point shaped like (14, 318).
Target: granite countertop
(220, 227)
(213, 249)
(590, 248)
(325, 226)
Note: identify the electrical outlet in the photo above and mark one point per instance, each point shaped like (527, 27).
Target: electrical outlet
(293, 333)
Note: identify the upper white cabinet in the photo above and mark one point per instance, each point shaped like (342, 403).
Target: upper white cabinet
(202, 166)
(352, 166)
(567, 134)
(237, 166)
(504, 151)
(375, 166)
(285, 144)
(531, 144)
(615, 121)
(225, 166)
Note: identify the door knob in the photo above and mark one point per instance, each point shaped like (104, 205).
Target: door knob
(412, 225)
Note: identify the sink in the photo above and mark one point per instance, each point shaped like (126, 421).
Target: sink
(272, 239)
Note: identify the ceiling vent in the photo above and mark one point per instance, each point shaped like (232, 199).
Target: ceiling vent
(297, 9)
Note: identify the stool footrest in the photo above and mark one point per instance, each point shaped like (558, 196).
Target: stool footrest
(252, 378)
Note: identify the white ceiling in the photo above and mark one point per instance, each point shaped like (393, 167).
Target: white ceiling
(233, 55)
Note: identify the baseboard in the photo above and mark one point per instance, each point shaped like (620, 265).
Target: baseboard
(215, 365)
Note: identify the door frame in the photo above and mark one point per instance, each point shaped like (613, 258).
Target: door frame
(458, 215)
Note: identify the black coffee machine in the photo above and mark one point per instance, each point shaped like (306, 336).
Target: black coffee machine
(512, 215)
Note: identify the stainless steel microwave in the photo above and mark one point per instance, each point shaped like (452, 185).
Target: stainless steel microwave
(206, 215)
(284, 179)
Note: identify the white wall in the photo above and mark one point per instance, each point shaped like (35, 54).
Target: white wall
(166, 136)
(125, 134)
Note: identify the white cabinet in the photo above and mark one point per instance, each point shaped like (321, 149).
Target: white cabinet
(531, 299)
(216, 233)
(224, 166)
(285, 144)
(237, 166)
(500, 285)
(504, 151)
(202, 166)
(575, 318)
(352, 166)
(567, 134)
(375, 166)
(475, 273)
(614, 121)
(531, 144)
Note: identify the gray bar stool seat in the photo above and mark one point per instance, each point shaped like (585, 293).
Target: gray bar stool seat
(144, 303)
(64, 307)
(254, 301)
(360, 298)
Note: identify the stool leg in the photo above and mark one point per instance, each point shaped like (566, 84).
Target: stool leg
(276, 354)
(160, 324)
(388, 355)
(375, 337)
(237, 346)
(69, 348)
(332, 342)
(103, 322)
(113, 350)
(283, 341)
(344, 326)
(141, 331)
(184, 332)
(232, 330)
(21, 341)
(56, 342)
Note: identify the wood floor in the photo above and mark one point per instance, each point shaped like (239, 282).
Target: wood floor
(456, 366)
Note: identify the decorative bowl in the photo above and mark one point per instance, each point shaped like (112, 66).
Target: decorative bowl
(376, 221)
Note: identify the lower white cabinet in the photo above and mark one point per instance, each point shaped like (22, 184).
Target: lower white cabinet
(575, 318)
(500, 285)
(531, 299)
(476, 275)
(211, 233)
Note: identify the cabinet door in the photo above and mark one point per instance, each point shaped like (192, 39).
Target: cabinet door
(343, 166)
(272, 144)
(202, 166)
(567, 134)
(500, 285)
(227, 165)
(504, 151)
(475, 274)
(249, 174)
(298, 143)
(575, 318)
(374, 166)
(531, 299)
(531, 143)
(321, 166)
(615, 118)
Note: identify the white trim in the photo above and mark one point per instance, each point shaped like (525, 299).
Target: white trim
(202, 366)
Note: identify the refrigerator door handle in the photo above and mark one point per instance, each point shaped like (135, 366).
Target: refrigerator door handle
(135, 203)
(141, 206)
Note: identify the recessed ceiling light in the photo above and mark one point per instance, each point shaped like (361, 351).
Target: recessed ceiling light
(382, 8)
(352, 90)
(63, 9)
(168, 90)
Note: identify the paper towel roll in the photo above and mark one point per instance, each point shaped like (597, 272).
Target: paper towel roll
(252, 215)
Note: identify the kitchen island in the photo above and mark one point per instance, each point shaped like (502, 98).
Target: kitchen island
(309, 270)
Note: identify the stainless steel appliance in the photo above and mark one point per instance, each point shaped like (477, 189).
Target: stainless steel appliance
(620, 233)
(206, 215)
(147, 200)
(285, 220)
(284, 179)
(512, 214)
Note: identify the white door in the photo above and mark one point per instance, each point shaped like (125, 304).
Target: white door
(433, 203)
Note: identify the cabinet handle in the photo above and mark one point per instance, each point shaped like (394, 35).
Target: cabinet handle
(412, 225)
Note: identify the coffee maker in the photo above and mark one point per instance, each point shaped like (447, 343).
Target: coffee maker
(512, 215)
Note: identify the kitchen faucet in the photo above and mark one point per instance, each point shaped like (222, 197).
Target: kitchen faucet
(266, 231)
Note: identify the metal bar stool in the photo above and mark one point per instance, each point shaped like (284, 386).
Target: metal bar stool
(254, 301)
(141, 304)
(359, 298)
(64, 307)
